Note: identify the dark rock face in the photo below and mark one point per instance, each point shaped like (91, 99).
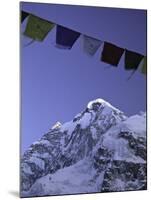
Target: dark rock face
(121, 175)
(84, 138)
(137, 144)
(102, 158)
(124, 176)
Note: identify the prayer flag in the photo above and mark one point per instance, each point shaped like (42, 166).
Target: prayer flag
(132, 60)
(37, 28)
(144, 67)
(91, 44)
(65, 38)
(23, 15)
(111, 54)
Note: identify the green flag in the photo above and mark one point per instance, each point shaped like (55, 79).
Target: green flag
(132, 60)
(37, 28)
(144, 67)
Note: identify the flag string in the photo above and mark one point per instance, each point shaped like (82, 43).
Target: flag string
(37, 29)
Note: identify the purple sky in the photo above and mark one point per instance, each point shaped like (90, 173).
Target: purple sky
(58, 84)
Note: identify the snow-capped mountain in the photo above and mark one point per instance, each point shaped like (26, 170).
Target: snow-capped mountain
(100, 150)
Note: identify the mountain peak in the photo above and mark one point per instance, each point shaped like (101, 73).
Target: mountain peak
(97, 103)
(99, 142)
(57, 125)
(103, 109)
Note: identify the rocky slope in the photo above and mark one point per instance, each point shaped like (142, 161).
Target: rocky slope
(100, 150)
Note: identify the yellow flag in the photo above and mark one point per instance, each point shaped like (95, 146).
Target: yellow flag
(144, 67)
(37, 28)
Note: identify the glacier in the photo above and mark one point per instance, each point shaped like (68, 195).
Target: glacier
(100, 150)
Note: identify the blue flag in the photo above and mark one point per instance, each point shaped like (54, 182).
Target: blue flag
(23, 15)
(65, 38)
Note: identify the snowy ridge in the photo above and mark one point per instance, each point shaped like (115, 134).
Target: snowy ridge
(101, 102)
(100, 150)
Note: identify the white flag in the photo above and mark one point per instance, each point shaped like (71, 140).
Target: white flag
(91, 45)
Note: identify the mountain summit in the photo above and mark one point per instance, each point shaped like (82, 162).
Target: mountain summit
(100, 150)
